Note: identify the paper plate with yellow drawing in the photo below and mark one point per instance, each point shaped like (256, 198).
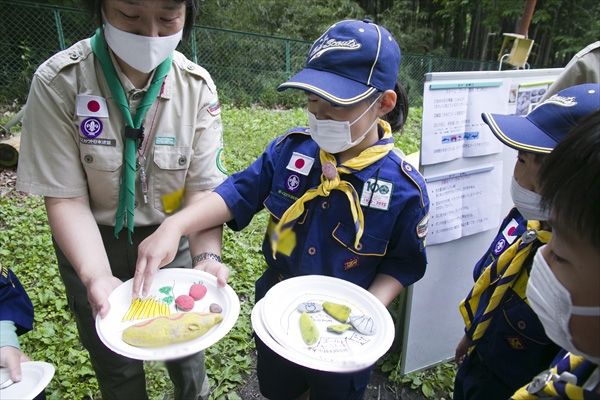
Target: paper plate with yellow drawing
(331, 332)
(167, 286)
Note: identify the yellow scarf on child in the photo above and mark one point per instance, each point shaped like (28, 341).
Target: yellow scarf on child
(364, 159)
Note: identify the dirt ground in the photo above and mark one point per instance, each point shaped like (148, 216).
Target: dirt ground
(378, 389)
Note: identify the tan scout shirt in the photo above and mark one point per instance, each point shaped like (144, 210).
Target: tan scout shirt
(72, 141)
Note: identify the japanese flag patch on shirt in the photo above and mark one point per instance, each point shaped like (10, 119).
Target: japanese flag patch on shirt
(509, 231)
(300, 163)
(91, 106)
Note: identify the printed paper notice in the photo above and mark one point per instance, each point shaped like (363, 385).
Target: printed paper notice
(464, 202)
(453, 127)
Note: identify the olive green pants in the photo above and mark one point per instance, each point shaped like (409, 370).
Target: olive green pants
(121, 377)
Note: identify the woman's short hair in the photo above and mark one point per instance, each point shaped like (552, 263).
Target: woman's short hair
(191, 12)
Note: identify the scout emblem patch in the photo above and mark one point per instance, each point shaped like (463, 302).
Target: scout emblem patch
(91, 127)
(91, 106)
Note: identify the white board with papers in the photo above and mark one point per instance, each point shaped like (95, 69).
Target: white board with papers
(468, 172)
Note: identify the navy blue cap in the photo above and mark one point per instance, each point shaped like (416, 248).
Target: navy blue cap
(348, 63)
(546, 125)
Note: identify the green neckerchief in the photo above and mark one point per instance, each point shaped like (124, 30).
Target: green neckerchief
(133, 127)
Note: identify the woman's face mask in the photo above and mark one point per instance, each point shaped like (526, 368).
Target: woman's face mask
(336, 136)
(144, 53)
(551, 301)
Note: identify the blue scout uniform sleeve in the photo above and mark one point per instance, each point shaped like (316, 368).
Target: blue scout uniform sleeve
(16, 305)
(512, 227)
(245, 191)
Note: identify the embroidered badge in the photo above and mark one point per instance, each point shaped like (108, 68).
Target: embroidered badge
(292, 183)
(515, 342)
(499, 246)
(377, 194)
(509, 231)
(214, 109)
(327, 44)
(164, 141)
(91, 106)
(351, 263)
(423, 227)
(300, 163)
(91, 127)
(221, 161)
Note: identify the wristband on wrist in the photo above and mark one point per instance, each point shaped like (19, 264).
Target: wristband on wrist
(206, 256)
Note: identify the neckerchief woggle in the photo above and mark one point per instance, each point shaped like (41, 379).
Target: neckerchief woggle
(498, 276)
(333, 182)
(133, 126)
(565, 380)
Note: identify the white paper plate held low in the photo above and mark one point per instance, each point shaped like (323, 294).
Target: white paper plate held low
(36, 375)
(334, 352)
(167, 285)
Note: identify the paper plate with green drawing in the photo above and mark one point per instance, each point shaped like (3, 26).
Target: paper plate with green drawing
(185, 312)
(335, 324)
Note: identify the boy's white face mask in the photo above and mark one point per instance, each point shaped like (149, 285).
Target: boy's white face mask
(551, 301)
(527, 202)
(335, 136)
(144, 53)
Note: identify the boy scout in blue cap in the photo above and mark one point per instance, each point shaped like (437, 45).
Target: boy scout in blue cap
(318, 185)
(505, 344)
(564, 282)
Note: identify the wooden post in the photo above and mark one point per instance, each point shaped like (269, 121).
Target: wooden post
(9, 151)
(526, 19)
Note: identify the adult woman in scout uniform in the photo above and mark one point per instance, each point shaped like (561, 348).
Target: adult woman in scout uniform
(342, 204)
(504, 344)
(119, 131)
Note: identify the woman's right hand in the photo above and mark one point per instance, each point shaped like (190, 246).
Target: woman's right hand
(156, 251)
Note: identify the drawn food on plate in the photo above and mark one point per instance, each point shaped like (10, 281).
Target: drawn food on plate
(165, 330)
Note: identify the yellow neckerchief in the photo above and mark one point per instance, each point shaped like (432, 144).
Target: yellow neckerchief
(367, 157)
(502, 273)
(560, 381)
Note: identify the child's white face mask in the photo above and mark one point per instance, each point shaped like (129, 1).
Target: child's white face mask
(144, 53)
(551, 301)
(335, 136)
(527, 202)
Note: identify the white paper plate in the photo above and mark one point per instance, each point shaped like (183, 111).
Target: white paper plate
(111, 327)
(36, 376)
(333, 352)
(300, 359)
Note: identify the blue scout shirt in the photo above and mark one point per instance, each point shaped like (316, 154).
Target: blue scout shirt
(514, 345)
(395, 226)
(513, 226)
(16, 305)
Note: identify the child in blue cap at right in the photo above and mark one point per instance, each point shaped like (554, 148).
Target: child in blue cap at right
(505, 344)
(317, 184)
